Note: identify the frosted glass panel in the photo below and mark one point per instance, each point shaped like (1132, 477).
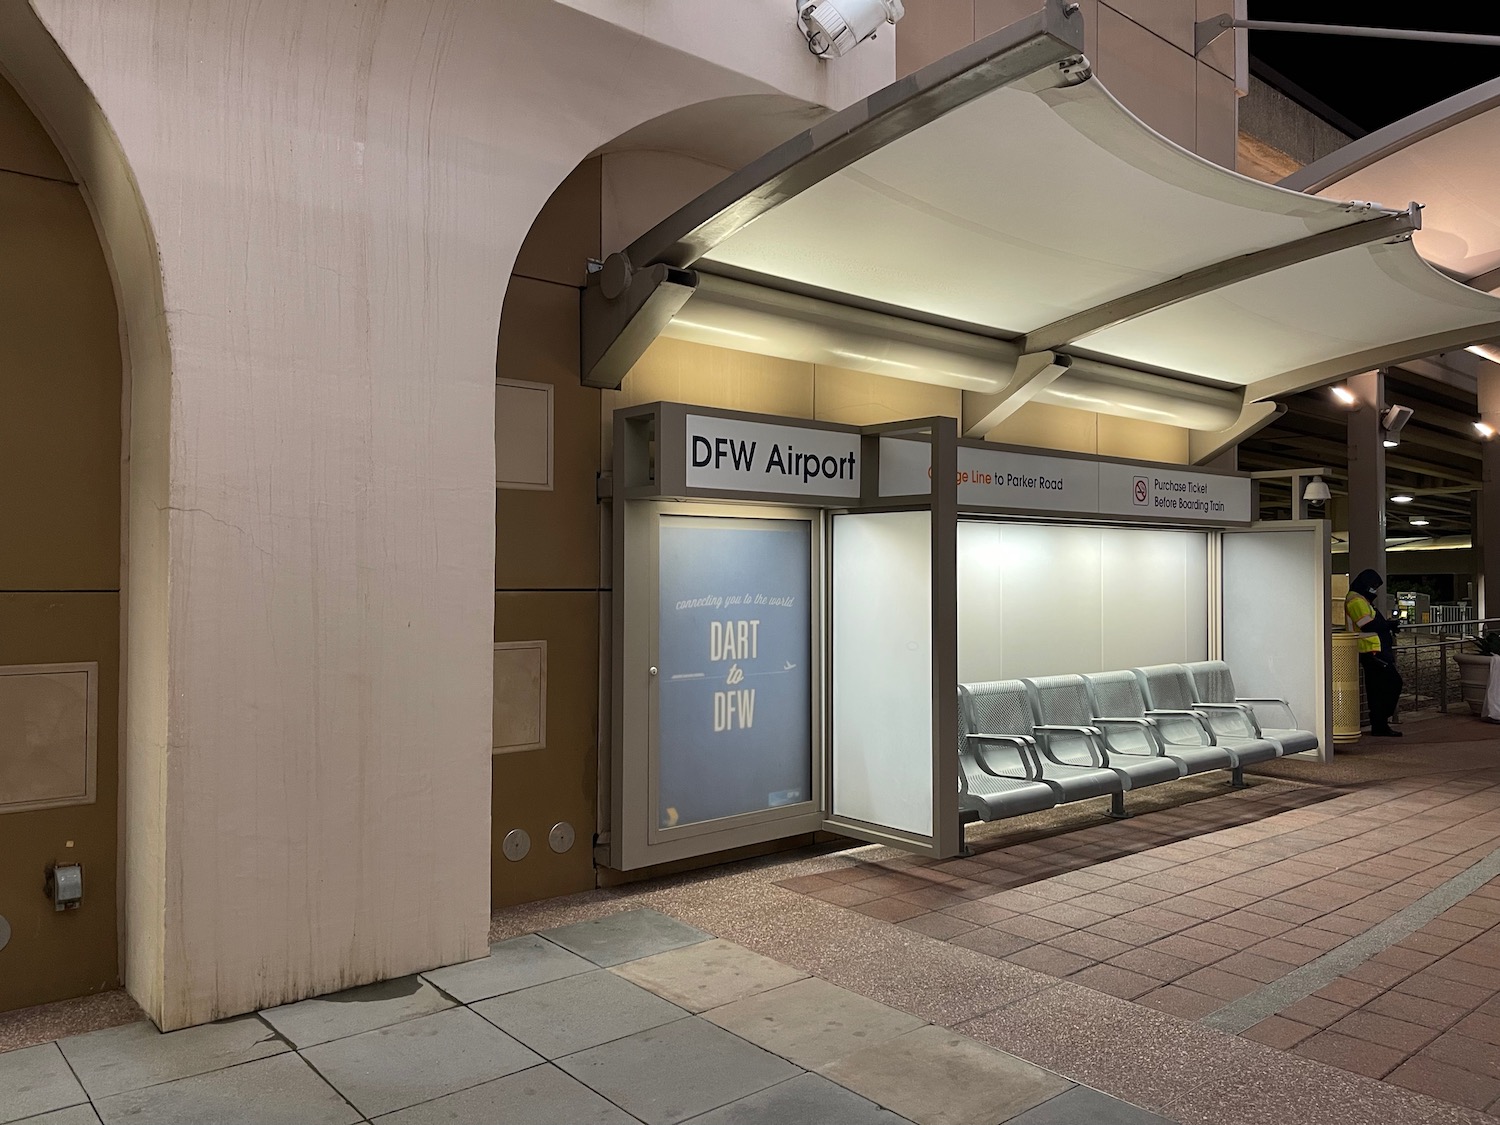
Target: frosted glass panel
(1155, 590)
(882, 669)
(1043, 600)
(1276, 617)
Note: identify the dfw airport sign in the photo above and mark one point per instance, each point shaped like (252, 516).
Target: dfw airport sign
(1017, 479)
(739, 456)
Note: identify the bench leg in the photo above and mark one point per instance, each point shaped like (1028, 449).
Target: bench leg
(963, 840)
(1237, 778)
(1117, 807)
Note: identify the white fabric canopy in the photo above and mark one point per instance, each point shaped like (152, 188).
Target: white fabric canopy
(1448, 157)
(1023, 208)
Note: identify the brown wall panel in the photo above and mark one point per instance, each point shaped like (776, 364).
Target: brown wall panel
(565, 234)
(931, 30)
(1153, 78)
(550, 540)
(24, 144)
(1218, 117)
(54, 955)
(534, 789)
(991, 15)
(59, 394)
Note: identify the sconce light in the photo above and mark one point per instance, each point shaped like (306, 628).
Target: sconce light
(1486, 430)
(1344, 395)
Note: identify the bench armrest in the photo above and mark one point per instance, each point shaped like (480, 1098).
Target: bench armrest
(1092, 738)
(1270, 701)
(1026, 746)
(1242, 709)
(1197, 718)
(1153, 736)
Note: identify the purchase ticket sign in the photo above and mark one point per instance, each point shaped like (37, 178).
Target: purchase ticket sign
(1016, 479)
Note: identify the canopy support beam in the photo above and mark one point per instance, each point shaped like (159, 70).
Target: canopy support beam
(1051, 37)
(1204, 445)
(1035, 372)
(615, 332)
(628, 302)
(1075, 327)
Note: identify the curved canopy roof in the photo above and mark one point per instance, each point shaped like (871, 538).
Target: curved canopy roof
(1003, 192)
(1448, 157)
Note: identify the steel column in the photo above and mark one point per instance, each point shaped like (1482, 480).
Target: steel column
(1367, 476)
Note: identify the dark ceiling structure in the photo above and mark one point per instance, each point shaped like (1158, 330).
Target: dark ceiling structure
(1360, 85)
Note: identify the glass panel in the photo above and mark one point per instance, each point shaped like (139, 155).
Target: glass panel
(1276, 617)
(734, 651)
(882, 669)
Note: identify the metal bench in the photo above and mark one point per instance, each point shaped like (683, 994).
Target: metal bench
(998, 774)
(1182, 735)
(1169, 687)
(1213, 685)
(1074, 769)
(1062, 709)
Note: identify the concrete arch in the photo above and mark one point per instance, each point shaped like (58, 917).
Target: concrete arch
(313, 208)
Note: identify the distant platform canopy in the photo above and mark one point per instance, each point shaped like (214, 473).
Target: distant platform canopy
(1448, 157)
(999, 223)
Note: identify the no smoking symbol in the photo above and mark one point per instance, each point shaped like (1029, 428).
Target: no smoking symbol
(1142, 493)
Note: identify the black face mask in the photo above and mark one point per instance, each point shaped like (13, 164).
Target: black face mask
(1366, 582)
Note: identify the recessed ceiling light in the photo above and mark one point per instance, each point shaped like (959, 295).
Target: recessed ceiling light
(1401, 498)
(1419, 522)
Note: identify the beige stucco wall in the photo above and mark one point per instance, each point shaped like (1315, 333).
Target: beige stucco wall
(332, 194)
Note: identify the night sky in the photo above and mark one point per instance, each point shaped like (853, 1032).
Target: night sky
(1374, 82)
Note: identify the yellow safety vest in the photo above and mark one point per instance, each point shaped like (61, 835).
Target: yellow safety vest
(1356, 608)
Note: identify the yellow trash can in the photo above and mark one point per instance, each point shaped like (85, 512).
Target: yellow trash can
(1345, 687)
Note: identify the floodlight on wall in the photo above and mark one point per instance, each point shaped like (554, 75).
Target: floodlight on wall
(1485, 430)
(833, 28)
(1392, 422)
(1343, 394)
(1316, 491)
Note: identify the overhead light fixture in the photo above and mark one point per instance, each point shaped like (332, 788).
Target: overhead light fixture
(833, 28)
(1419, 522)
(1392, 422)
(1343, 394)
(1485, 429)
(1401, 498)
(1316, 491)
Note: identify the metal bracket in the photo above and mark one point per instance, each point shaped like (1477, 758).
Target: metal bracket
(624, 310)
(1383, 226)
(1206, 31)
(1034, 373)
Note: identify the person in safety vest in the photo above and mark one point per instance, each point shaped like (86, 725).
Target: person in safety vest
(1377, 651)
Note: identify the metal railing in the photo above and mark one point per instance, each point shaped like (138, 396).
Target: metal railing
(1442, 619)
(1424, 659)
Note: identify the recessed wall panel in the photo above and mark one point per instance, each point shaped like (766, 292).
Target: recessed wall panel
(47, 735)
